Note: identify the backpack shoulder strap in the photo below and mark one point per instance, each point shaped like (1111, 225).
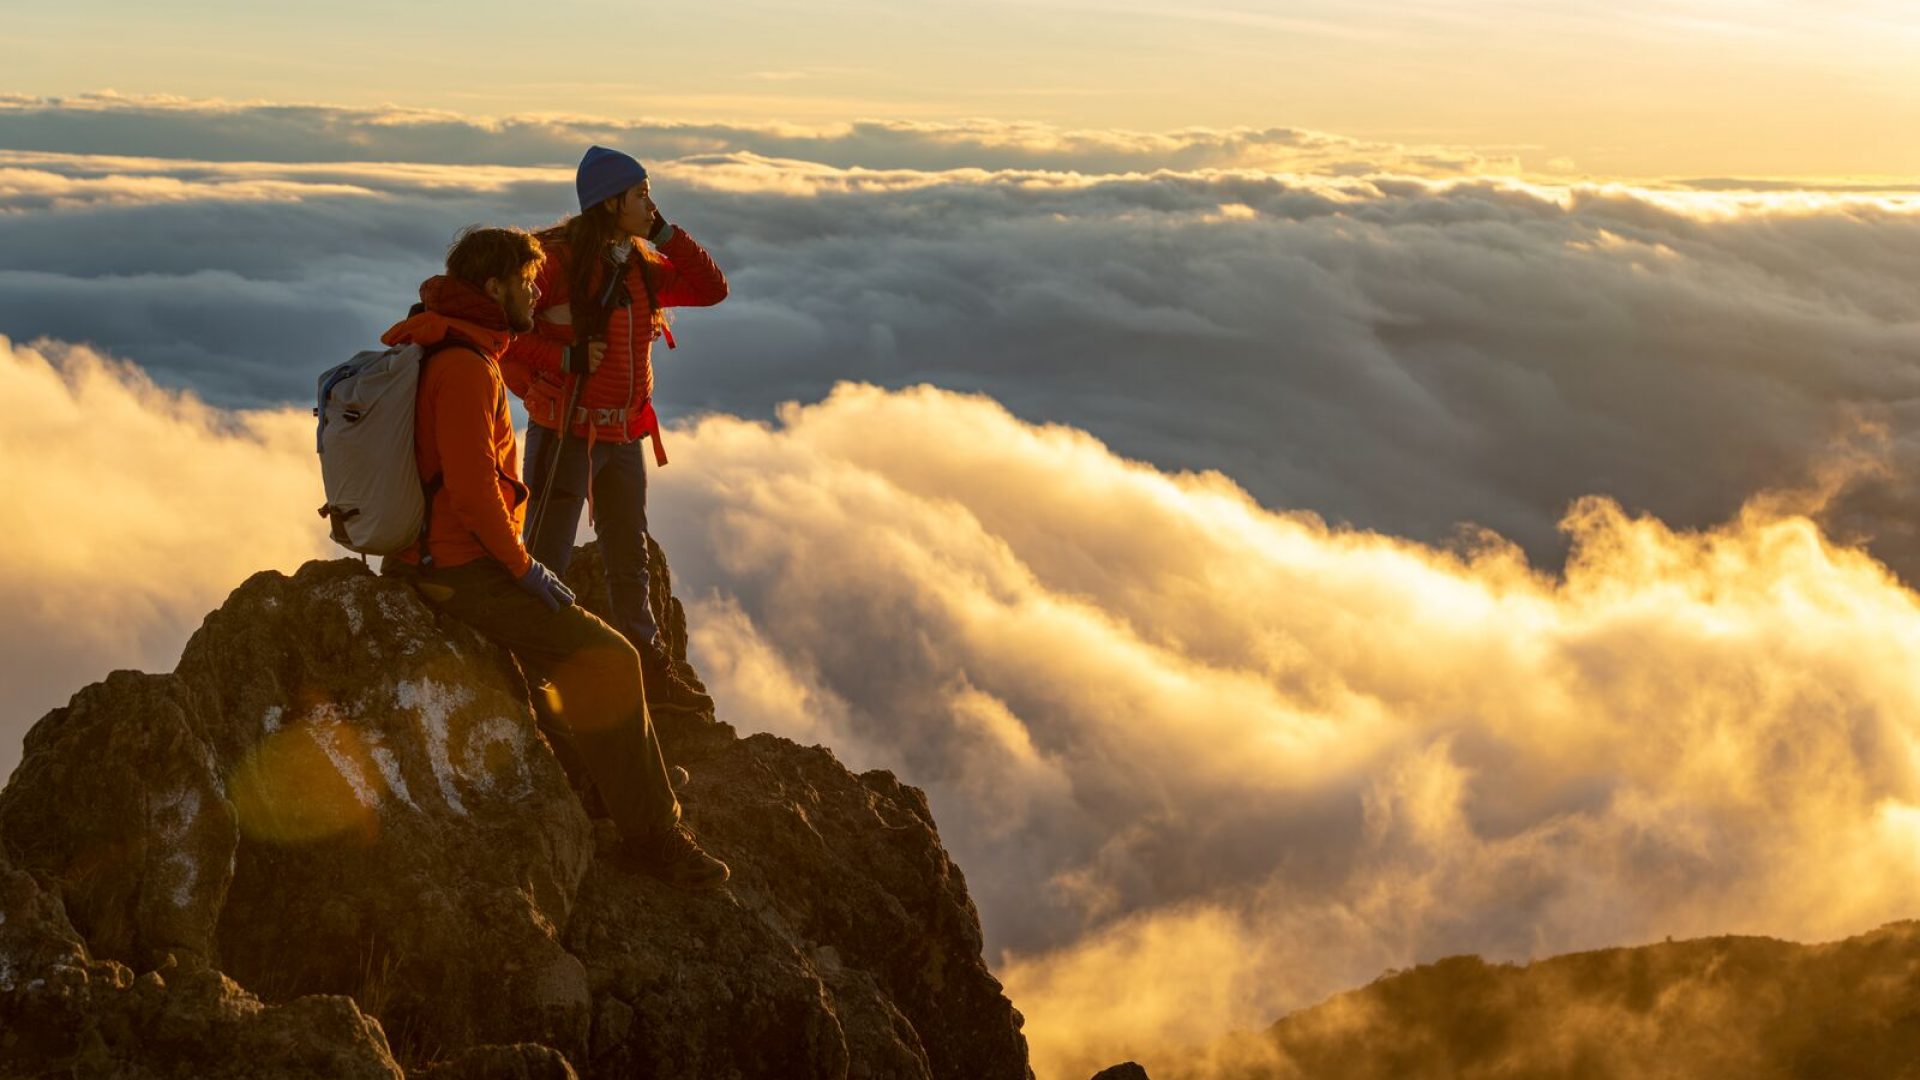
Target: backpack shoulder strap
(653, 300)
(432, 486)
(451, 341)
(646, 282)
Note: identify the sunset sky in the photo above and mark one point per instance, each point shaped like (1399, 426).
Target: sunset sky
(1331, 485)
(1621, 88)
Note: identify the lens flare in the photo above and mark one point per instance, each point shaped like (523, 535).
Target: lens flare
(310, 781)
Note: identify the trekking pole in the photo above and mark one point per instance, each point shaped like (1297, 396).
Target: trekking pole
(566, 420)
(553, 467)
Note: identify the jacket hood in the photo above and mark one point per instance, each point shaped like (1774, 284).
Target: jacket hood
(449, 306)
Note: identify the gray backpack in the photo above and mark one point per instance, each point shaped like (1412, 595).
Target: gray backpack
(376, 504)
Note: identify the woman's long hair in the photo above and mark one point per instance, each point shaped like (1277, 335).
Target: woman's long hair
(587, 236)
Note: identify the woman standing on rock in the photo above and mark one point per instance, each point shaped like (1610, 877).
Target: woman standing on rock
(606, 296)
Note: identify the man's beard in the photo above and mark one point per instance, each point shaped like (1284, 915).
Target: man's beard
(520, 321)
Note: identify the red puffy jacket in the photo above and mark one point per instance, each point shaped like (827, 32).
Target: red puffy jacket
(616, 405)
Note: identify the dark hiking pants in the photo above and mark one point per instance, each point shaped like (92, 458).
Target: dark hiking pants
(617, 476)
(596, 713)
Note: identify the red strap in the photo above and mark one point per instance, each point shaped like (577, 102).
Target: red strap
(650, 425)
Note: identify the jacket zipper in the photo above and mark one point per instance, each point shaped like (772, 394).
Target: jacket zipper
(632, 374)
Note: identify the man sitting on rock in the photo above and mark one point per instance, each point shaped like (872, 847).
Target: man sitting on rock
(472, 565)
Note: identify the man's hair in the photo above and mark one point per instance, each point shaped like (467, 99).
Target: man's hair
(480, 253)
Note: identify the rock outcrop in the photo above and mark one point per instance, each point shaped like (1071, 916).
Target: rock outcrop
(334, 843)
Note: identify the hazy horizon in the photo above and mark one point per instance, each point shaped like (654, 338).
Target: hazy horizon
(1635, 88)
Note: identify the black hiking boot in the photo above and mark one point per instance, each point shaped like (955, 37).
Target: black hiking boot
(676, 858)
(667, 689)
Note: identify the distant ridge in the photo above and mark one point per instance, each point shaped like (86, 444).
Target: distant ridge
(1735, 1007)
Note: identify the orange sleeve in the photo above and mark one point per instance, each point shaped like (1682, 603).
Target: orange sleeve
(464, 435)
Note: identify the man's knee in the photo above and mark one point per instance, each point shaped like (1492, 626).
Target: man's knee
(597, 684)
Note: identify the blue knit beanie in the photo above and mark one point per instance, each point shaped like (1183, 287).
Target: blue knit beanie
(604, 173)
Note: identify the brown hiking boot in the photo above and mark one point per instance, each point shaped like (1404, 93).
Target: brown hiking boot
(676, 858)
(667, 689)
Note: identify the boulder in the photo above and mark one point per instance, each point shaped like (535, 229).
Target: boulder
(335, 829)
(333, 793)
(66, 1012)
(845, 944)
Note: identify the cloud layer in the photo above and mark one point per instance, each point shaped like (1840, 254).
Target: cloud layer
(95, 124)
(1203, 761)
(1394, 353)
(132, 511)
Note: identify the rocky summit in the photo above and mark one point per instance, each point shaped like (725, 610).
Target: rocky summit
(333, 843)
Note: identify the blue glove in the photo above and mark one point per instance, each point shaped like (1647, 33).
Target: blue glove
(551, 591)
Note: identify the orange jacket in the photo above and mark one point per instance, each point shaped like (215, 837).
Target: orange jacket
(618, 398)
(462, 431)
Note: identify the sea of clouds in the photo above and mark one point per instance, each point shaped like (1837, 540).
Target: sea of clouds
(1274, 575)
